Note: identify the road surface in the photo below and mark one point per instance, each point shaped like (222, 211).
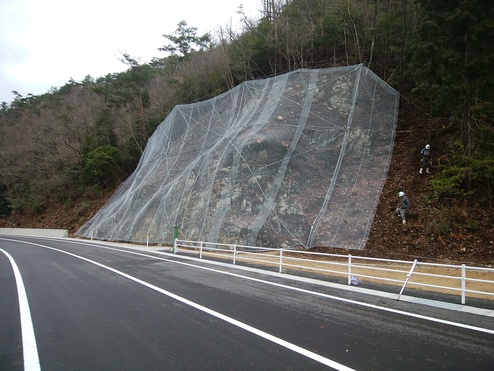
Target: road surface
(78, 305)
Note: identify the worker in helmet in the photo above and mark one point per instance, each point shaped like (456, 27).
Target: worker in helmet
(403, 207)
(425, 159)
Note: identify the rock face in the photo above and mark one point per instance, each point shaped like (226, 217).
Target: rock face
(297, 160)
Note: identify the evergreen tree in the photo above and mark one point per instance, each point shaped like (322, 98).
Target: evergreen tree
(453, 64)
(185, 40)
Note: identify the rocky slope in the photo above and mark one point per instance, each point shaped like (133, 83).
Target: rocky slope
(456, 232)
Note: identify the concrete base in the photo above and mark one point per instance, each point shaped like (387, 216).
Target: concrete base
(35, 232)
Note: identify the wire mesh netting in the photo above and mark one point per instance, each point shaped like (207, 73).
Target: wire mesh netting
(297, 160)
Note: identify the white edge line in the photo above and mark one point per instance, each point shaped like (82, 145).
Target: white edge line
(29, 347)
(373, 306)
(404, 298)
(253, 330)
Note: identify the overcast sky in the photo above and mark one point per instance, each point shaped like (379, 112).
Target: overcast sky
(45, 43)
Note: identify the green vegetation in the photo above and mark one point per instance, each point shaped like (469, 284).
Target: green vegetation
(90, 134)
(453, 70)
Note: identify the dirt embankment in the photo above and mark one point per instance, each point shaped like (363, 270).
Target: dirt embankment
(458, 231)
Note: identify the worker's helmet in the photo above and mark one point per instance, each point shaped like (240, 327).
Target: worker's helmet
(427, 146)
(400, 194)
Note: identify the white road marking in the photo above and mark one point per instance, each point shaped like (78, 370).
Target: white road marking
(29, 347)
(307, 353)
(332, 297)
(373, 306)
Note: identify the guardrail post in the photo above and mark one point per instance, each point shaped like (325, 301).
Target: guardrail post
(349, 269)
(147, 240)
(175, 237)
(280, 270)
(463, 283)
(408, 278)
(234, 252)
(200, 250)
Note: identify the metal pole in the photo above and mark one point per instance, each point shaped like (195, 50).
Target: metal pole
(349, 269)
(234, 252)
(408, 278)
(281, 261)
(175, 236)
(463, 283)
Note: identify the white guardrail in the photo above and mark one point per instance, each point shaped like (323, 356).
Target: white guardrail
(465, 280)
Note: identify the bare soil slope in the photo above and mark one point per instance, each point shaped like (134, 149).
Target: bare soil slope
(456, 231)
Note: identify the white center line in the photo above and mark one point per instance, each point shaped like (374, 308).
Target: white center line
(332, 297)
(307, 353)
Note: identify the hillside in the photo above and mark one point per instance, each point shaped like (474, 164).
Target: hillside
(457, 232)
(63, 153)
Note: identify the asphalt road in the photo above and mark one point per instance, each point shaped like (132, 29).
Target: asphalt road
(95, 306)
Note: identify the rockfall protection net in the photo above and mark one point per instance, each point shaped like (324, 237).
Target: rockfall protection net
(297, 160)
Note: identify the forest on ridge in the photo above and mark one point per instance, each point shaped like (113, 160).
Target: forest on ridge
(63, 153)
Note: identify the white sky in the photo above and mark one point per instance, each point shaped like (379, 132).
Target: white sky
(45, 43)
